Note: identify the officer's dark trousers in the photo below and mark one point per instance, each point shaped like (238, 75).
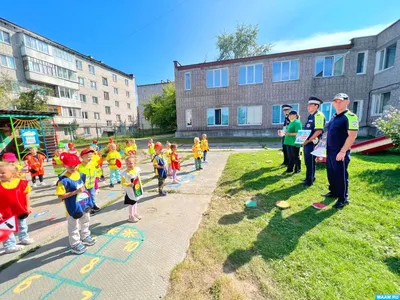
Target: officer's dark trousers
(294, 158)
(285, 153)
(338, 176)
(309, 160)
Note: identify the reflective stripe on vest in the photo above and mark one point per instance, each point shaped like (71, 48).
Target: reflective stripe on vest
(58, 161)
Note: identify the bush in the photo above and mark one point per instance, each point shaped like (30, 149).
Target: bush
(389, 124)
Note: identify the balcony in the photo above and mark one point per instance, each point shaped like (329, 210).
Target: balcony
(26, 51)
(63, 102)
(42, 78)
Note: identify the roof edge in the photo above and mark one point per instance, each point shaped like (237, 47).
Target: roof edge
(259, 57)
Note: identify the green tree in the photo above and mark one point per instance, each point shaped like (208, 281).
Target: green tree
(389, 124)
(33, 100)
(242, 43)
(5, 91)
(161, 110)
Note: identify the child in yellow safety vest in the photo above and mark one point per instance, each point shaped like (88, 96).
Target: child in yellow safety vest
(197, 153)
(88, 168)
(204, 146)
(97, 161)
(58, 166)
(112, 158)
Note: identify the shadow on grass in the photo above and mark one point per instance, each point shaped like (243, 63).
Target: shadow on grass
(279, 238)
(394, 264)
(384, 157)
(385, 182)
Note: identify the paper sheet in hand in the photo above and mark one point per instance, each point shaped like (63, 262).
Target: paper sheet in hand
(301, 136)
(320, 148)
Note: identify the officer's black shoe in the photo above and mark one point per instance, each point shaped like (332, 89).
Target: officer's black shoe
(340, 204)
(297, 171)
(329, 195)
(306, 184)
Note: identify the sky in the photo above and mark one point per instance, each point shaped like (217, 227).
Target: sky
(145, 37)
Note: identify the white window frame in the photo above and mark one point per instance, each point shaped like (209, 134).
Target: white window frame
(118, 117)
(80, 98)
(186, 117)
(89, 67)
(7, 60)
(2, 40)
(254, 75)
(280, 110)
(190, 81)
(114, 77)
(127, 94)
(86, 130)
(116, 103)
(214, 108)
(104, 95)
(128, 105)
(360, 109)
(97, 116)
(37, 43)
(85, 115)
(214, 86)
(126, 82)
(333, 66)
(290, 68)
(93, 86)
(375, 99)
(115, 91)
(106, 81)
(97, 100)
(378, 59)
(249, 124)
(105, 109)
(83, 81)
(365, 62)
(108, 122)
(331, 114)
(79, 64)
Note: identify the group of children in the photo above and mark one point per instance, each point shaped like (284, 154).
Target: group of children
(77, 183)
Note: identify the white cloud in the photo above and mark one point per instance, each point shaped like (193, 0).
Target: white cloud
(325, 39)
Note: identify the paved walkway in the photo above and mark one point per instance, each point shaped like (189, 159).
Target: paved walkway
(129, 261)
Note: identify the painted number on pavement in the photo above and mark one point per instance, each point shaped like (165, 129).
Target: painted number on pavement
(90, 265)
(25, 284)
(87, 295)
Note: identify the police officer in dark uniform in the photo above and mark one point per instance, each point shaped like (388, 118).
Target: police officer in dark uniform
(342, 132)
(315, 123)
(286, 110)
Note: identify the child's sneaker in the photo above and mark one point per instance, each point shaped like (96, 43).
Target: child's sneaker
(175, 182)
(43, 183)
(111, 185)
(138, 216)
(163, 194)
(27, 241)
(14, 249)
(79, 249)
(34, 185)
(119, 182)
(133, 219)
(89, 241)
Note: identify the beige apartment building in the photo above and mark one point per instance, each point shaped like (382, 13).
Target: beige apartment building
(99, 97)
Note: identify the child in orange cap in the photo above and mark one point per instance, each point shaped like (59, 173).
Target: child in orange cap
(159, 166)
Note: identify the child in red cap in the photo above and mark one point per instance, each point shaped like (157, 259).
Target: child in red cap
(159, 166)
(71, 189)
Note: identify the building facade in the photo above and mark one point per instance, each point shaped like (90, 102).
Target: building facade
(100, 98)
(244, 97)
(145, 93)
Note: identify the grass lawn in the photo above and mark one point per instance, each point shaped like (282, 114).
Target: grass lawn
(301, 252)
(211, 140)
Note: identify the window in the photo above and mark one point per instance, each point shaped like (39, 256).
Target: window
(108, 110)
(327, 66)
(97, 116)
(385, 58)
(62, 54)
(98, 130)
(358, 108)
(35, 44)
(36, 65)
(361, 63)
(4, 37)
(64, 92)
(285, 70)
(66, 74)
(128, 95)
(83, 98)
(109, 123)
(78, 64)
(118, 118)
(126, 82)
(91, 69)
(217, 116)
(251, 74)
(86, 130)
(81, 81)
(188, 84)
(328, 110)
(115, 91)
(188, 117)
(106, 96)
(85, 115)
(116, 103)
(217, 78)
(93, 84)
(114, 77)
(7, 61)
(95, 100)
(71, 112)
(66, 131)
(128, 105)
(105, 81)
(380, 103)
(130, 118)
(250, 115)
(278, 117)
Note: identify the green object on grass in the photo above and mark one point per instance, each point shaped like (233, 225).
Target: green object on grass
(250, 203)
